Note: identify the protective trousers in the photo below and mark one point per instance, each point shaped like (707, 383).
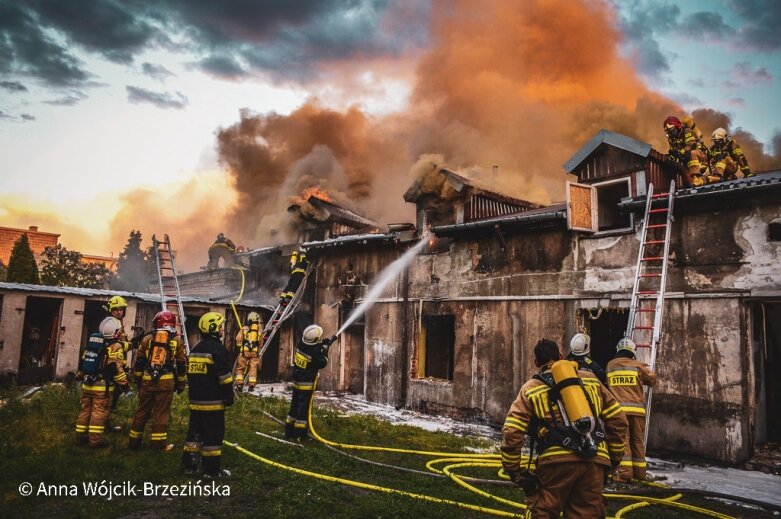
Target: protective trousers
(633, 463)
(574, 488)
(158, 405)
(725, 168)
(204, 438)
(247, 365)
(297, 421)
(91, 422)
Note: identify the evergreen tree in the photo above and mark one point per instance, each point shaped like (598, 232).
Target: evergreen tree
(135, 268)
(22, 267)
(65, 268)
(3, 271)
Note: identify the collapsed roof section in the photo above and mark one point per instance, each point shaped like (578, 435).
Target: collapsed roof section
(321, 219)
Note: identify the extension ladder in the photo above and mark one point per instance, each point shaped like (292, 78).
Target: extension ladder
(282, 313)
(170, 296)
(646, 310)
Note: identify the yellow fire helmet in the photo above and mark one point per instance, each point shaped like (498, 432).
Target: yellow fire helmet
(210, 323)
(116, 302)
(253, 317)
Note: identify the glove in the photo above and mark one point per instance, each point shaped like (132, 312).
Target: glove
(525, 479)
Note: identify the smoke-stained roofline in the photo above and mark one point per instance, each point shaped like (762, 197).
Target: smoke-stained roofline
(551, 214)
(761, 181)
(356, 239)
(95, 292)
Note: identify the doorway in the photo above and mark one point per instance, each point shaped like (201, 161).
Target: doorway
(39, 339)
(353, 343)
(766, 346)
(606, 327)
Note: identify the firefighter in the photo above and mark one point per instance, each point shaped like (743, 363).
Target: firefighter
(298, 266)
(161, 367)
(687, 151)
(248, 344)
(727, 156)
(221, 248)
(580, 348)
(101, 368)
(117, 308)
(626, 377)
(211, 390)
(572, 464)
(311, 356)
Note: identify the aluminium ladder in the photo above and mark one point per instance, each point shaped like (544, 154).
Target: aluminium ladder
(282, 313)
(646, 310)
(170, 295)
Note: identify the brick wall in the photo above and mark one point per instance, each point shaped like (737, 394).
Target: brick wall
(38, 241)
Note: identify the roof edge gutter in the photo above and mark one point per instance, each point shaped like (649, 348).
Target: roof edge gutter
(516, 221)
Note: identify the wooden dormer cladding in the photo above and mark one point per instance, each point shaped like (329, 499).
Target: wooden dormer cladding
(482, 205)
(609, 155)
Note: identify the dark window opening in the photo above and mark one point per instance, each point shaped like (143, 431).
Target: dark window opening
(439, 333)
(608, 197)
(39, 340)
(605, 332)
(767, 363)
(774, 231)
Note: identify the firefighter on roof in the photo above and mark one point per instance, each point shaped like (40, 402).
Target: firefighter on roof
(572, 460)
(101, 368)
(311, 356)
(298, 266)
(221, 248)
(687, 151)
(580, 348)
(626, 377)
(211, 390)
(248, 344)
(727, 156)
(161, 366)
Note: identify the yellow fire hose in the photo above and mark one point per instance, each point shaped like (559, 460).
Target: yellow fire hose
(457, 461)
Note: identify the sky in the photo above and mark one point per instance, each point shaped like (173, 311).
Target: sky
(195, 117)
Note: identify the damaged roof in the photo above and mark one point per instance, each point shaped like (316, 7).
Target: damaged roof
(543, 216)
(95, 292)
(330, 212)
(458, 183)
(607, 137)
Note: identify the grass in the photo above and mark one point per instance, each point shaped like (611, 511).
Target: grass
(36, 445)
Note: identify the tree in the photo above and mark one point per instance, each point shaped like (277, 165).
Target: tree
(135, 269)
(3, 271)
(22, 267)
(65, 268)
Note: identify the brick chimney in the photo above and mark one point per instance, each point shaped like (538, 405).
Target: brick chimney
(33, 228)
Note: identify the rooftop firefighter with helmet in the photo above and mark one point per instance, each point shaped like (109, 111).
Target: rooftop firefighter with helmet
(248, 343)
(625, 378)
(298, 266)
(211, 390)
(578, 430)
(117, 308)
(311, 356)
(161, 367)
(101, 368)
(222, 248)
(726, 156)
(580, 348)
(687, 151)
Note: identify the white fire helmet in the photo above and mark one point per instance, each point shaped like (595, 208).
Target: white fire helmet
(626, 344)
(110, 327)
(312, 334)
(719, 134)
(580, 344)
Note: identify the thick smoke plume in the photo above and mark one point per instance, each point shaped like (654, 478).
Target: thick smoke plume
(521, 85)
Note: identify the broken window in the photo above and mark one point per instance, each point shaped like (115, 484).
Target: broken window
(609, 194)
(438, 336)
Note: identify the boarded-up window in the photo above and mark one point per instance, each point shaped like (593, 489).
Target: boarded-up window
(439, 332)
(581, 207)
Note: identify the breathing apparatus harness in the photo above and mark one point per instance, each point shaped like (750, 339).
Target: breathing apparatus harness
(252, 339)
(161, 355)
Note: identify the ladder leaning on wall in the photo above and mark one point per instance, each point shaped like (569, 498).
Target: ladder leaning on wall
(282, 313)
(170, 295)
(646, 310)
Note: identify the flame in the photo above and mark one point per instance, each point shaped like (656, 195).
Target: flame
(316, 192)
